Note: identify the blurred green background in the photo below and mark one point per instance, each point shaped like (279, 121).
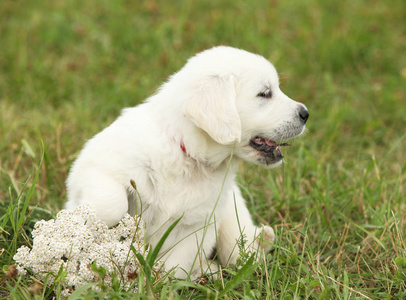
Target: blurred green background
(67, 68)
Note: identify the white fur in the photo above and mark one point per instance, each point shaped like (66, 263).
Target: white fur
(211, 107)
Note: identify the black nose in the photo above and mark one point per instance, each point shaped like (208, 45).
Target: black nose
(304, 115)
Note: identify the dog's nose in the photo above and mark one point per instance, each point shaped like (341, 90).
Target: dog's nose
(304, 115)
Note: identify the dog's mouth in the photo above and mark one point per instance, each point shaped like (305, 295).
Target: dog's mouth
(269, 149)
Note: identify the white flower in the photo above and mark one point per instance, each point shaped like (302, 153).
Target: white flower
(77, 239)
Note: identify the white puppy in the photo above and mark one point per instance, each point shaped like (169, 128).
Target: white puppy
(181, 148)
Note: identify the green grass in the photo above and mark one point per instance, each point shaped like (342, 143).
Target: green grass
(67, 68)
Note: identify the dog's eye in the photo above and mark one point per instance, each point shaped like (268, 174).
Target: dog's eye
(267, 94)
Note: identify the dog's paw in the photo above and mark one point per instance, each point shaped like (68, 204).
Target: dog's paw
(265, 239)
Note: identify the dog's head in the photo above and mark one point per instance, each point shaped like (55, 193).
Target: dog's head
(236, 99)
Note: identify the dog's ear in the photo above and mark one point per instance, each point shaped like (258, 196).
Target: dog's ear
(212, 107)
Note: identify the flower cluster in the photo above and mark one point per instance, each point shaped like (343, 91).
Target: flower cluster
(76, 240)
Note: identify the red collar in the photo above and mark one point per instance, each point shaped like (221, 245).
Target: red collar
(182, 146)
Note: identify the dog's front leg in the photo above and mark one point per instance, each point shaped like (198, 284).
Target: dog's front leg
(188, 258)
(238, 225)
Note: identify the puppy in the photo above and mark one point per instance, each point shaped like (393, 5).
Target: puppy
(181, 148)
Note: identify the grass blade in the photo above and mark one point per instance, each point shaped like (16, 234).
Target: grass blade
(21, 216)
(152, 255)
(243, 273)
(77, 294)
(143, 262)
(193, 285)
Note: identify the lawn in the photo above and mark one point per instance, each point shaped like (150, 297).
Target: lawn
(67, 68)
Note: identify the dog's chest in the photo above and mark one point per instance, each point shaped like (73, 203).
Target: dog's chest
(194, 198)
